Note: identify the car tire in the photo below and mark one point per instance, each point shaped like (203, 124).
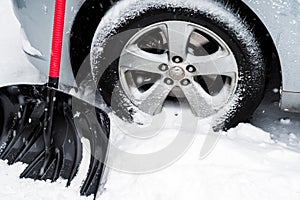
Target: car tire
(216, 21)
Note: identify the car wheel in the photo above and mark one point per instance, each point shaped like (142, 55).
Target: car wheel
(202, 52)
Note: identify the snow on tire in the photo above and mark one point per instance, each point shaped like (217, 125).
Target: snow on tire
(168, 43)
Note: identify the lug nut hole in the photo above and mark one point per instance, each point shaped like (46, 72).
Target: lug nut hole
(185, 82)
(163, 67)
(169, 81)
(177, 59)
(191, 68)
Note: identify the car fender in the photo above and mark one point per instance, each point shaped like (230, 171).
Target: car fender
(282, 20)
(37, 32)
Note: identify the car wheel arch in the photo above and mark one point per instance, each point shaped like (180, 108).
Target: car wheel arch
(83, 28)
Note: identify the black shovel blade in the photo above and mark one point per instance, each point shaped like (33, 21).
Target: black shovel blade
(20, 125)
(22, 140)
(95, 126)
(65, 153)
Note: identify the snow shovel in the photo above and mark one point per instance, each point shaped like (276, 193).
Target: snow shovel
(38, 126)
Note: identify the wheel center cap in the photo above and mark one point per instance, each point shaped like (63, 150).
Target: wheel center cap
(177, 73)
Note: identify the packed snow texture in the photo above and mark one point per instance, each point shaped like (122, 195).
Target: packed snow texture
(245, 164)
(14, 188)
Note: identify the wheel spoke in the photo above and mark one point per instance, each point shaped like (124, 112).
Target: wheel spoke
(178, 35)
(153, 99)
(199, 101)
(134, 58)
(215, 64)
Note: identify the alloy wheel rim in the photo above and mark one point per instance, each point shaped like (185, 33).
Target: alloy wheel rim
(182, 59)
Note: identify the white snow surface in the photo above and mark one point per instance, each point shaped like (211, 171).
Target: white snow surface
(245, 164)
(11, 187)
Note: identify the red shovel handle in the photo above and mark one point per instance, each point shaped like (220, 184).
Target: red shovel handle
(57, 38)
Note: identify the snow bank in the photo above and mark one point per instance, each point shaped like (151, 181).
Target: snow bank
(246, 164)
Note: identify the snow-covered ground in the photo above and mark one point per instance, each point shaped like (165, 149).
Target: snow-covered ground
(246, 163)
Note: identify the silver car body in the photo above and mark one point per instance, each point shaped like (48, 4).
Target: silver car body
(280, 17)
